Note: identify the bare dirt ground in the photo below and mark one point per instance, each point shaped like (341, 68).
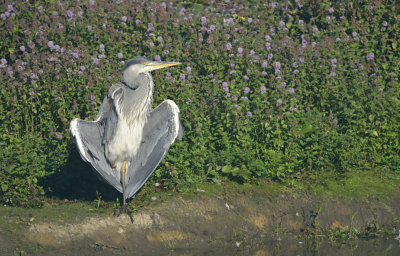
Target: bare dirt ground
(208, 224)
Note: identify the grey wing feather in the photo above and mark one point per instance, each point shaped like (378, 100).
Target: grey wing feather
(115, 93)
(161, 130)
(89, 137)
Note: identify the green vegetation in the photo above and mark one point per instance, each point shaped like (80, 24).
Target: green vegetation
(299, 92)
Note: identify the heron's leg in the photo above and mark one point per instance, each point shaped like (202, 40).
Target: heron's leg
(123, 172)
(114, 165)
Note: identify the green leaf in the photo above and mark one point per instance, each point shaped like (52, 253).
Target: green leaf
(4, 187)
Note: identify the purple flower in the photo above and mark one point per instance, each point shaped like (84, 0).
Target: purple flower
(263, 89)
(75, 55)
(91, 2)
(246, 78)
(249, 113)
(370, 56)
(168, 75)
(124, 18)
(83, 68)
(120, 55)
(270, 56)
(22, 48)
(263, 73)
(246, 90)
(228, 21)
(96, 61)
(334, 62)
(293, 108)
(70, 14)
(189, 70)
(240, 50)
(159, 39)
(354, 34)
(244, 98)
(333, 74)
(50, 44)
(301, 22)
(57, 99)
(234, 98)
(228, 46)
(137, 21)
(157, 57)
(79, 14)
(59, 135)
(203, 20)
(212, 27)
(249, 20)
(282, 23)
(282, 85)
(331, 10)
(182, 77)
(291, 90)
(10, 8)
(279, 102)
(277, 65)
(265, 64)
(182, 12)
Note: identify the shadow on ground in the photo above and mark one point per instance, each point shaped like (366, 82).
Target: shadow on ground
(77, 180)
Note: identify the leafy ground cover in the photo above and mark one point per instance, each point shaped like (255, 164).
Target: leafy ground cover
(290, 91)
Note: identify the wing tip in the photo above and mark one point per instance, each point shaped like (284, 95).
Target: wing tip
(75, 133)
(175, 111)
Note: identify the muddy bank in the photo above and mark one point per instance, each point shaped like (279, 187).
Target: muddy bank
(203, 220)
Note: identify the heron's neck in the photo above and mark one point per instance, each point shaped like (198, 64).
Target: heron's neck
(137, 105)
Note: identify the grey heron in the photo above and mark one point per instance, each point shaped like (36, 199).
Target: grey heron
(128, 139)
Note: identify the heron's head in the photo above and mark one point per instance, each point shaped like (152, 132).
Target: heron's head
(142, 64)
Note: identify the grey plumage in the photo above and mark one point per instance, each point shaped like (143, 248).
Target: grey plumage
(127, 132)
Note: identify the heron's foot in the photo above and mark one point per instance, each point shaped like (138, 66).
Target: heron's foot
(125, 209)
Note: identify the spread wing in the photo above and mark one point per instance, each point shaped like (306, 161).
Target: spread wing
(161, 130)
(90, 137)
